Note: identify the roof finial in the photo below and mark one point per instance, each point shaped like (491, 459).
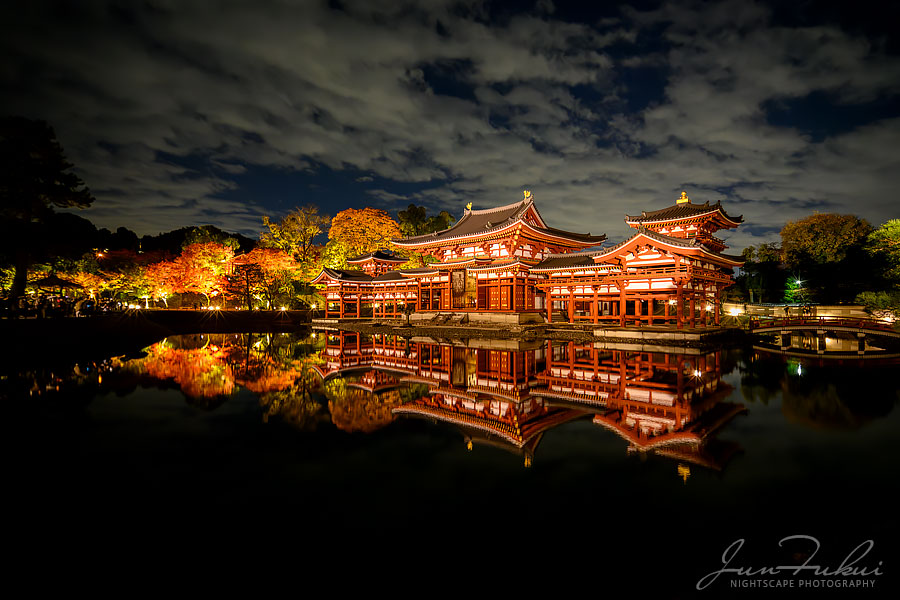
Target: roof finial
(683, 199)
(469, 206)
(527, 194)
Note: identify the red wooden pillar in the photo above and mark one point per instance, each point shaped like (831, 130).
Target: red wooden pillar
(571, 305)
(693, 309)
(716, 306)
(637, 310)
(621, 303)
(679, 307)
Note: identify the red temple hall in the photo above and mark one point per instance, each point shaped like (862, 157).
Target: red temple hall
(507, 265)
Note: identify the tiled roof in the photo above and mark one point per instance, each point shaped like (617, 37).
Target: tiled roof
(681, 211)
(344, 275)
(671, 241)
(562, 261)
(475, 222)
(377, 255)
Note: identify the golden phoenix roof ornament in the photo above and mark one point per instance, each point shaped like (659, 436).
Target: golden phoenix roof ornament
(469, 206)
(527, 194)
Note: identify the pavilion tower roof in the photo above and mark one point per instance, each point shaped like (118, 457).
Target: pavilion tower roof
(685, 210)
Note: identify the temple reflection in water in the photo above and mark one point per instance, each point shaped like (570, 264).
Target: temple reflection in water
(508, 394)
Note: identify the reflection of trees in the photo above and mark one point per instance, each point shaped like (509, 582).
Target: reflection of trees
(820, 396)
(353, 409)
(208, 367)
(297, 403)
(202, 373)
(845, 398)
(761, 377)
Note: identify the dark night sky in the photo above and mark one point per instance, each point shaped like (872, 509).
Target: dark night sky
(180, 112)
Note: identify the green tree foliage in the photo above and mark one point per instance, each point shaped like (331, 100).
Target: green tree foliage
(415, 221)
(762, 276)
(881, 305)
(822, 238)
(883, 245)
(205, 234)
(296, 232)
(34, 178)
(794, 291)
(828, 251)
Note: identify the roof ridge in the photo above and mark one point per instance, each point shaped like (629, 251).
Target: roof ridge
(485, 211)
(581, 253)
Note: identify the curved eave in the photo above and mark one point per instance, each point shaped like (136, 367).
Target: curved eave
(473, 422)
(593, 240)
(677, 248)
(501, 267)
(323, 276)
(393, 261)
(499, 231)
(659, 441)
(640, 221)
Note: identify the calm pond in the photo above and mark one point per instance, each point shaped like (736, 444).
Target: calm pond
(559, 454)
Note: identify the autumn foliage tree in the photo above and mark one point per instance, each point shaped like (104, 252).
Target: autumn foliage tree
(295, 234)
(201, 269)
(358, 231)
(264, 272)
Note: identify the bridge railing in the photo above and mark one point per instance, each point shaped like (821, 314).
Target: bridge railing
(820, 322)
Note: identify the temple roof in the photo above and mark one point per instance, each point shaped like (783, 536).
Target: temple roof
(344, 275)
(562, 261)
(378, 255)
(486, 221)
(671, 241)
(681, 210)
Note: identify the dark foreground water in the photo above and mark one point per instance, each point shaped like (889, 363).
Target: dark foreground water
(380, 463)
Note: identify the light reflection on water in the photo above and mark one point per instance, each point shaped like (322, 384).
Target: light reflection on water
(644, 442)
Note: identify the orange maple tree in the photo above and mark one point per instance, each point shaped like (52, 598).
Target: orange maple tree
(363, 230)
(201, 268)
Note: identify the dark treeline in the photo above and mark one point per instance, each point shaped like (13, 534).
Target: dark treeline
(826, 259)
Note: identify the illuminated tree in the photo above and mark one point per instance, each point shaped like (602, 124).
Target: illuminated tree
(202, 268)
(164, 280)
(884, 245)
(822, 238)
(363, 230)
(263, 272)
(295, 234)
(34, 178)
(91, 282)
(123, 273)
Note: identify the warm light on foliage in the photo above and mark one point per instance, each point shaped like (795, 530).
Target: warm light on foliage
(363, 230)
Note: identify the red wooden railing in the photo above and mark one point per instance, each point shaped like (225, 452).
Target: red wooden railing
(821, 322)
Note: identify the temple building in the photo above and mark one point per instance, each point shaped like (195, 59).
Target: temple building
(507, 265)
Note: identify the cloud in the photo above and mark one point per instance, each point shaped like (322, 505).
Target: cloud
(164, 105)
